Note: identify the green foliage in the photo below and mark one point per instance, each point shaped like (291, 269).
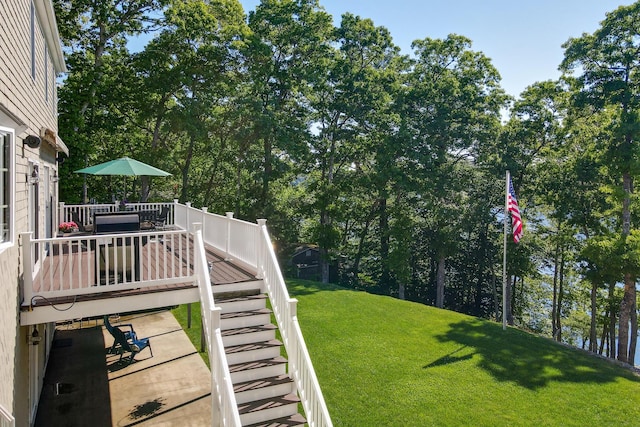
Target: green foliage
(190, 319)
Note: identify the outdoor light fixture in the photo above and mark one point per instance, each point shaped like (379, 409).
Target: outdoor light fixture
(60, 158)
(35, 177)
(35, 336)
(32, 141)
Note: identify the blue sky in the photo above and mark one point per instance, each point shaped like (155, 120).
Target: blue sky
(522, 38)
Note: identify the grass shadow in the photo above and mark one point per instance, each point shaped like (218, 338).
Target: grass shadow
(450, 358)
(527, 360)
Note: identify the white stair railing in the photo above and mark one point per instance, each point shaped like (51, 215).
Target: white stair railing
(224, 410)
(249, 245)
(284, 310)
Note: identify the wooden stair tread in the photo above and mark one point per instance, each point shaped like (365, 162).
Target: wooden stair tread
(261, 383)
(273, 402)
(248, 329)
(235, 314)
(291, 421)
(234, 298)
(252, 346)
(257, 364)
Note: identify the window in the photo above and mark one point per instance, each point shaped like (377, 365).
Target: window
(6, 186)
(33, 41)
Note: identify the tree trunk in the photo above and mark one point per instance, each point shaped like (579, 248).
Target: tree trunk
(266, 177)
(554, 303)
(560, 297)
(440, 283)
(496, 303)
(634, 329)
(605, 336)
(324, 265)
(611, 351)
(363, 235)
(145, 189)
(626, 306)
(325, 217)
(628, 303)
(481, 277)
(185, 171)
(385, 276)
(507, 309)
(594, 309)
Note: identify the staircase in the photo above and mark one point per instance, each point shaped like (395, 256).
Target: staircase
(265, 394)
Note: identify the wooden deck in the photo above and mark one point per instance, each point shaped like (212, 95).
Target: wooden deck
(73, 266)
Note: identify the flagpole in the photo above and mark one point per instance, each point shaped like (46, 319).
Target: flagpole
(504, 255)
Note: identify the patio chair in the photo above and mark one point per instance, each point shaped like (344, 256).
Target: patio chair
(76, 218)
(129, 334)
(162, 217)
(132, 346)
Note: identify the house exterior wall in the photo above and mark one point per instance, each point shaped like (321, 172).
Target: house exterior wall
(28, 106)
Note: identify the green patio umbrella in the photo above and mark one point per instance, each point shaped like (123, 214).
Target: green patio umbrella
(123, 166)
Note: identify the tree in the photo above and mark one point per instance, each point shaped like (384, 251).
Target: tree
(350, 107)
(449, 109)
(94, 35)
(187, 73)
(284, 55)
(610, 79)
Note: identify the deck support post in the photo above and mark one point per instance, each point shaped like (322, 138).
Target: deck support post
(27, 263)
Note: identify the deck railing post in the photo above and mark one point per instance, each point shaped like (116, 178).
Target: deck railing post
(261, 253)
(27, 267)
(61, 216)
(197, 267)
(188, 223)
(204, 219)
(215, 401)
(293, 312)
(228, 236)
(172, 213)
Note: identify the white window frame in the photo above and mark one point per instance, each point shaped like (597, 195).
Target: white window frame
(8, 135)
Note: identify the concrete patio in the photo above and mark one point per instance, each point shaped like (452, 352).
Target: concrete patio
(85, 385)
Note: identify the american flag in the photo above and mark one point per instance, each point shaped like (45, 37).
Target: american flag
(516, 220)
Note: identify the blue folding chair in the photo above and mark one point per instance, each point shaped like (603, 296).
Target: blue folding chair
(128, 334)
(132, 346)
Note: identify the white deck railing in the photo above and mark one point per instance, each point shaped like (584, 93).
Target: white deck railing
(223, 399)
(122, 261)
(85, 213)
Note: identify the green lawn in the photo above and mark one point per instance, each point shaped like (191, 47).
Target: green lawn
(385, 362)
